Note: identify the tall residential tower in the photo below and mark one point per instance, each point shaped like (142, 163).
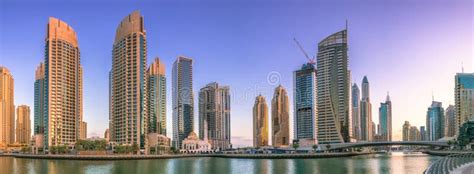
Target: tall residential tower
(385, 119)
(128, 92)
(333, 88)
(183, 99)
(214, 115)
(366, 113)
(280, 118)
(260, 122)
(156, 89)
(39, 97)
(23, 124)
(355, 111)
(63, 85)
(464, 98)
(7, 108)
(305, 104)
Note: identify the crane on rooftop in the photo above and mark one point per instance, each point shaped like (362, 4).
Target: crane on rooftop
(311, 60)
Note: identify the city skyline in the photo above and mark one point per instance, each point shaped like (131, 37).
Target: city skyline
(258, 78)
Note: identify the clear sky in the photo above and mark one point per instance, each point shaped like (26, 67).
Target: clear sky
(410, 48)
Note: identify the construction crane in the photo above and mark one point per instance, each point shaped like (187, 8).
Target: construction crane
(311, 60)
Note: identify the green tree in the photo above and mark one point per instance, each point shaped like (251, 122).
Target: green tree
(135, 148)
(315, 146)
(295, 146)
(328, 146)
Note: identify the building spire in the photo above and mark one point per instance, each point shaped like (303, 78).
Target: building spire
(462, 67)
(388, 96)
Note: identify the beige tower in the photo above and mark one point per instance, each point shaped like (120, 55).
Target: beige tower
(23, 128)
(63, 81)
(7, 108)
(128, 82)
(83, 130)
(260, 122)
(280, 118)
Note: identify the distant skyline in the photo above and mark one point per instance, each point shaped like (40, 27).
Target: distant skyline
(411, 49)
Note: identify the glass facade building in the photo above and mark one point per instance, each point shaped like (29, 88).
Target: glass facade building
(464, 98)
(435, 121)
(156, 88)
(38, 125)
(385, 119)
(355, 111)
(305, 111)
(183, 100)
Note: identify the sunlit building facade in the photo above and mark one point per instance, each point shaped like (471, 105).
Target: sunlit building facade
(128, 80)
(156, 87)
(333, 90)
(183, 99)
(23, 124)
(464, 98)
(280, 118)
(260, 122)
(214, 116)
(406, 131)
(63, 85)
(7, 107)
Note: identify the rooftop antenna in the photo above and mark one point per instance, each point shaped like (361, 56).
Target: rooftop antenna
(346, 24)
(462, 67)
(432, 95)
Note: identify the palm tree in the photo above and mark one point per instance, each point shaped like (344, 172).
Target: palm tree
(295, 146)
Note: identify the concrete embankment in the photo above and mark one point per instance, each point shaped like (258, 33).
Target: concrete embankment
(145, 157)
(446, 153)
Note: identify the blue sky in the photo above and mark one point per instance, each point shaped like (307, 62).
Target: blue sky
(410, 48)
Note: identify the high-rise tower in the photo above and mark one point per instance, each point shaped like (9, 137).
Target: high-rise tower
(39, 100)
(23, 128)
(157, 97)
(333, 89)
(128, 80)
(385, 119)
(450, 125)
(435, 121)
(7, 108)
(260, 122)
(355, 111)
(214, 115)
(464, 98)
(63, 85)
(183, 104)
(305, 106)
(366, 113)
(280, 118)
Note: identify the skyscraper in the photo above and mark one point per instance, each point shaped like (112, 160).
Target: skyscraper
(157, 98)
(280, 118)
(385, 119)
(355, 111)
(366, 112)
(128, 92)
(414, 134)
(260, 122)
(23, 128)
(63, 85)
(214, 115)
(464, 98)
(333, 83)
(39, 100)
(422, 133)
(7, 108)
(183, 104)
(435, 121)
(83, 130)
(305, 107)
(450, 125)
(406, 131)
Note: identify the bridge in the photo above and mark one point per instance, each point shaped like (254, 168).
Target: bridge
(386, 143)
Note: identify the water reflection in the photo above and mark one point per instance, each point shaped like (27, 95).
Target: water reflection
(370, 164)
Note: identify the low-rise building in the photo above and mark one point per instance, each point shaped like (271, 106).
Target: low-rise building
(158, 144)
(192, 144)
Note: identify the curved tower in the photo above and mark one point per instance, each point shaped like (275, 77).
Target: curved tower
(333, 89)
(63, 85)
(128, 92)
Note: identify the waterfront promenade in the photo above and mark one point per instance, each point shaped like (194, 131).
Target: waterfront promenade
(145, 157)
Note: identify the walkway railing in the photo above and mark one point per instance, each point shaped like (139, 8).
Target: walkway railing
(450, 163)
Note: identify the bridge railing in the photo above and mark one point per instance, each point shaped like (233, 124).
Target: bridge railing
(449, 163)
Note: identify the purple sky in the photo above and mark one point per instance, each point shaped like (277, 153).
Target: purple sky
(410, 48)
